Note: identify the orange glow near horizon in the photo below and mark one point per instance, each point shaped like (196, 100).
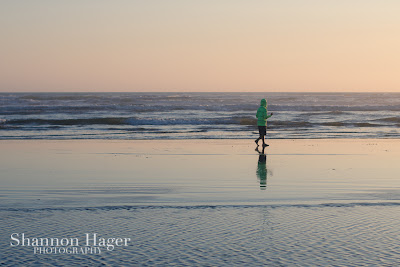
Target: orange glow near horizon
(206, 45)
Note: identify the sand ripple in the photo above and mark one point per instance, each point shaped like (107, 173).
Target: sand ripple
(317, 235)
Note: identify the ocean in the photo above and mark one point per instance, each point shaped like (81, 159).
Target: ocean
(129, 116)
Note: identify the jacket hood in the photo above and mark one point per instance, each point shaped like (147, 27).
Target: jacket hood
(263, 102)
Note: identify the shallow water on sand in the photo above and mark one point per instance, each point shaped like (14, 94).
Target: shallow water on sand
(53, 174)
(307, 203)
(219, 236)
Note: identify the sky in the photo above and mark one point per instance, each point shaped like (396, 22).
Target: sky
(205, 45)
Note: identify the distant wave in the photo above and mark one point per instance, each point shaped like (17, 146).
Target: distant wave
(332, 109)
(366, 124)
(235, 120)
(292, 124)
(133, 121)
(390, 119)
(196, 115)
(334, 123)
(347, 124)
(333, 112)
(62, 97)
(108, 121)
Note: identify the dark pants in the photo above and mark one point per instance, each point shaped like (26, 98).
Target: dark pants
(262, 130)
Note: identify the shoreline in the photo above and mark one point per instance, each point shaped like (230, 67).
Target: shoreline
(194, 139)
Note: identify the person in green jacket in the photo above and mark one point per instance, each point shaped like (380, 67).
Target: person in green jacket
(262, 117)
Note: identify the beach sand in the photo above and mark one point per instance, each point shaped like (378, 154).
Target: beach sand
(205, 202)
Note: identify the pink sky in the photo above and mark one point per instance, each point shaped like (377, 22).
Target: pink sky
(208, 45)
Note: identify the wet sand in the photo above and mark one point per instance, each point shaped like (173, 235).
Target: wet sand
(205, 202)
(192, 172)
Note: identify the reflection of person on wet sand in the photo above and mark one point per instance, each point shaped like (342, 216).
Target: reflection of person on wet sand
(262, 169)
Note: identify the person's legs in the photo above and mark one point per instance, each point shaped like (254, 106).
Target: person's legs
(263, 136)
(262, 132)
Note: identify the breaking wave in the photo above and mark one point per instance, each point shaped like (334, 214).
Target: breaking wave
(198, 115)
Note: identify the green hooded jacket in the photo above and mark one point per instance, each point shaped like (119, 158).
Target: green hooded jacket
(262, 113)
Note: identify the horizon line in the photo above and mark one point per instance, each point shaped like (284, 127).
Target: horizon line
(317, 92)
